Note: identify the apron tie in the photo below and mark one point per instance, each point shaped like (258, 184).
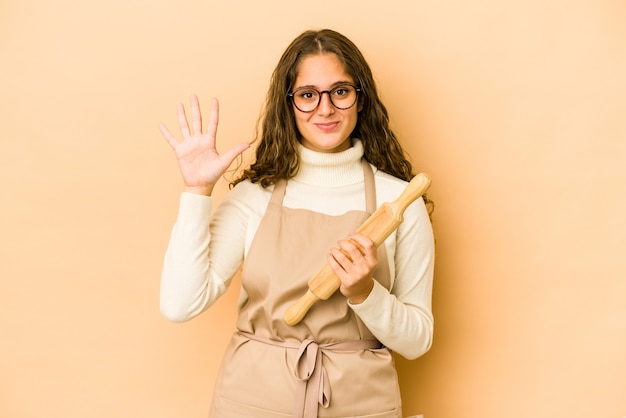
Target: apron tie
(309, 370)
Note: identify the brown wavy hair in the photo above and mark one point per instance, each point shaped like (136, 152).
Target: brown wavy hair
(277, 135)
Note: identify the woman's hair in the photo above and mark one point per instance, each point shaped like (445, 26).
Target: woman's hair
(277, 135)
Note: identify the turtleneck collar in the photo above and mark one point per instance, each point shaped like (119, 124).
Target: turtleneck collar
(331, 169)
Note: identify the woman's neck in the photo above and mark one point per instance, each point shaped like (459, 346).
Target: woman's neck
(331, 169)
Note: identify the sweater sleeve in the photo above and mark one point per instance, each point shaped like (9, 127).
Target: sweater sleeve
(402, 319)
(203, 254)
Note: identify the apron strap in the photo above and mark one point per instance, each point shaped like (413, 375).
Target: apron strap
(370, 187)
(384, 276)
(279, 192)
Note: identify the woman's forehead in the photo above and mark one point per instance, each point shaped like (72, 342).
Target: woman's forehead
(321, 70)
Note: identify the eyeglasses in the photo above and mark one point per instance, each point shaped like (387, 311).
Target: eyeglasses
(306, 99)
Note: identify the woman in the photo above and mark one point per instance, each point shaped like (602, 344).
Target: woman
(326, 158)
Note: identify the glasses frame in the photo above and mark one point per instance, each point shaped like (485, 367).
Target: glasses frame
(320, 93)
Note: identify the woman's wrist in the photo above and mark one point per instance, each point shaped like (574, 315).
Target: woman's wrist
(201, 190)
(360, 298)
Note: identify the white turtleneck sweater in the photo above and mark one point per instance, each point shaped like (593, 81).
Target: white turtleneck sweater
(205, 251)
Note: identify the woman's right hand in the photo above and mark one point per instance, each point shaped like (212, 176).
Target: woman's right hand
(200, 164)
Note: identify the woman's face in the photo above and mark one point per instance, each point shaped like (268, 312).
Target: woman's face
(325, 129)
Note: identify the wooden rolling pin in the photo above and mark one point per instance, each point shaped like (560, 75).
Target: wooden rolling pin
(377, 228)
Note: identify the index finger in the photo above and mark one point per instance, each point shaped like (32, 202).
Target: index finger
(361, 241)
(168, 136)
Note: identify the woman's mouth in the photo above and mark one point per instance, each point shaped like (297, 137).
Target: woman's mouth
(327, 127)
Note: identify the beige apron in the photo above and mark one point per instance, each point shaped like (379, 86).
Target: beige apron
(328, 365)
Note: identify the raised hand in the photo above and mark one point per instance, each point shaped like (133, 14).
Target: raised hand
(200, 163)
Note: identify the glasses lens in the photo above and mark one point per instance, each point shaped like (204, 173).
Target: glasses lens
(343, 97)
(306, 99)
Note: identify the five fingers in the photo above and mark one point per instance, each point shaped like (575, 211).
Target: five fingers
(196, 121)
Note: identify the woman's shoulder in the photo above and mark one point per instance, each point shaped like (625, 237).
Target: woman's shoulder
(248, 194)
(386, 184)
(246, 186)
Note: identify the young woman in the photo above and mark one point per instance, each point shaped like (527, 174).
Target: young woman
(326, 159)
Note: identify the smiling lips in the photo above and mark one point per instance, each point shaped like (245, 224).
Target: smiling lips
(327, 127)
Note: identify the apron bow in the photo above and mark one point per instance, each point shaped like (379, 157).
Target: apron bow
(309, 371)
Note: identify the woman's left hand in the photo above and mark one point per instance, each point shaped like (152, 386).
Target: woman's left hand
(353, 262)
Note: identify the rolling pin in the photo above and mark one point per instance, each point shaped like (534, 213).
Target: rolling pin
(377, 228)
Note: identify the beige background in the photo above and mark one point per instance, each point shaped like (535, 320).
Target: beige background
(515, 108)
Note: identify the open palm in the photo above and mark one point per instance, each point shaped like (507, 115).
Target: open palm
(200, 163)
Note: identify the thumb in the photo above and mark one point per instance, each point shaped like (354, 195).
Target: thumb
(229, 156)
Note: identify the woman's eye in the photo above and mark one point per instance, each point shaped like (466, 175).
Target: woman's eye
(308, 94)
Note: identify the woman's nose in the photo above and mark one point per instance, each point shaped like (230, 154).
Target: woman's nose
(326, 106)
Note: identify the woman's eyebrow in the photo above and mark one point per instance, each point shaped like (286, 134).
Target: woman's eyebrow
(335, 84)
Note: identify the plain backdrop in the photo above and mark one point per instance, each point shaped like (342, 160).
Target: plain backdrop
(515, 108)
